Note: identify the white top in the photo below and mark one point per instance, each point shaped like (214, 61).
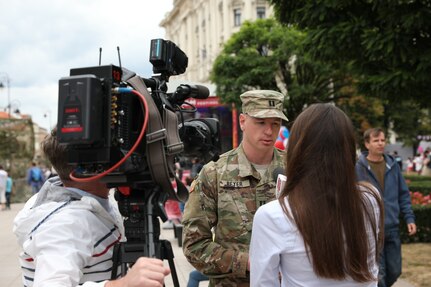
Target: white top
(3, 179)
(66, 241)
(278, 247)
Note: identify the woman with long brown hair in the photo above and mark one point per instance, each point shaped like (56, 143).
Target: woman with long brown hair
(325, 228)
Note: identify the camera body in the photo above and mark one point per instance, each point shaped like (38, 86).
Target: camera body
(101, 121)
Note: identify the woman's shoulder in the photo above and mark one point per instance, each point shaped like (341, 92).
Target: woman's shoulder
(270, 207)
(370, 193)
(272, 211)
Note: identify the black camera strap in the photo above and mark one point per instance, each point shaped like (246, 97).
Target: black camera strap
(163, 143)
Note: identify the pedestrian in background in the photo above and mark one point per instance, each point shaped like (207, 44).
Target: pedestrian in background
(382, 171)
(325, 228)
(398, 159)
(226, 194)
(9, 185)
(427, 163)
(35, 178)
(410, 166)
(3, 180)
(196, 167)
(419, 163)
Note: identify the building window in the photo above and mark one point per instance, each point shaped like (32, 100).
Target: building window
(237, 17)
(204, 53)
(261, 12)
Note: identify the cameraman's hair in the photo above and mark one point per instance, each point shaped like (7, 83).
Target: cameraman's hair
(372, 132)
(57, 155)
(321, 187)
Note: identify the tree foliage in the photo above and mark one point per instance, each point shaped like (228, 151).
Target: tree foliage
(16, 145)
(267, 55)
(386, 42)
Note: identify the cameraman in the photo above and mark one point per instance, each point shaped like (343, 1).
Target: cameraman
(68, 231)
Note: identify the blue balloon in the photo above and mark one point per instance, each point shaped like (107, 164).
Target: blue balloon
(284, 133)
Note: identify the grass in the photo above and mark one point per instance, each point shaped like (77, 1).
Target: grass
(417, 264)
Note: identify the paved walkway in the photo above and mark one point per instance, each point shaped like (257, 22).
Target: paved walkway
(10, 273)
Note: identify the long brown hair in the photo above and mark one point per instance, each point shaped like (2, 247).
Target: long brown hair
(326, 203)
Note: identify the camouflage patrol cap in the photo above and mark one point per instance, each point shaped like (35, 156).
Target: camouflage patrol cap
(263, 104)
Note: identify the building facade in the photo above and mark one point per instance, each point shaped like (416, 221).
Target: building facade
(20, 141)
(200, 27)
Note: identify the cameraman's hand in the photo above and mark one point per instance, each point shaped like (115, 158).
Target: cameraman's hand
(146, 272)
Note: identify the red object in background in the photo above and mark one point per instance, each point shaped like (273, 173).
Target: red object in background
(172, 209)
(279, 145)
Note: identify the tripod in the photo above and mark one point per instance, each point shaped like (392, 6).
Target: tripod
(141, 209)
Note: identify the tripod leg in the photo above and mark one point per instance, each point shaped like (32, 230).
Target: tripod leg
(168, 254)
(115, 261)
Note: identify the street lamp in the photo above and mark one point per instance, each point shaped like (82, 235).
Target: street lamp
(2, 85)
(48, 115)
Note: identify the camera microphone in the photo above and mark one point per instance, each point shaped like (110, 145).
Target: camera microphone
(191, 91)
(276, 172)
(280, 180)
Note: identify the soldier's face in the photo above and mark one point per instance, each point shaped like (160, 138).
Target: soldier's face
(260, 134)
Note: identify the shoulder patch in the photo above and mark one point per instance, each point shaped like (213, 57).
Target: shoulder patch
(192, 186)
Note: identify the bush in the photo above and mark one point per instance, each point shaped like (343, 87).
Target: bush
(422, 186)
(421, 205)
(423, 223)
(415, 177)
(418, 183)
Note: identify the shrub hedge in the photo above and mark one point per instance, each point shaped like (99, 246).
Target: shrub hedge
(420, 187)
(423, 186)
(423, 223)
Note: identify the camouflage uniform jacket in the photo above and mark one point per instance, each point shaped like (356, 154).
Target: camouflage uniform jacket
(223, 201)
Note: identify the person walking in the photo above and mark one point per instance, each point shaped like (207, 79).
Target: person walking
(196, 167)
(325, 229)
(398, 159)
(3, 181)
(35, 178)
(427, 163)
(226, 194)
(382, 171)
(9, 185)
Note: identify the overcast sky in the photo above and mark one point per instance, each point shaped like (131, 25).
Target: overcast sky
(41, 40)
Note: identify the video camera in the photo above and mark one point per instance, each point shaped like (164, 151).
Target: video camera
(125, 129)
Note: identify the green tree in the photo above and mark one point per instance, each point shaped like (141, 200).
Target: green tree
(267, 55)
(387, 43)
(387, 47)
(16, 145)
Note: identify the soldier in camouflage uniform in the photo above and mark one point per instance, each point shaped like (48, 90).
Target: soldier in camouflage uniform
(224, 197)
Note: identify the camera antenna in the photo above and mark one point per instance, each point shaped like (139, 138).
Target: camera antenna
(119, 58)
(100, 56)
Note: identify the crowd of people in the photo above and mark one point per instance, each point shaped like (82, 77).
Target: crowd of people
(420, 164)
(35, 179)
(335, 222)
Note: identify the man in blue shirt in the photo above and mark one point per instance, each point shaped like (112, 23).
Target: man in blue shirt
(35, 178)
